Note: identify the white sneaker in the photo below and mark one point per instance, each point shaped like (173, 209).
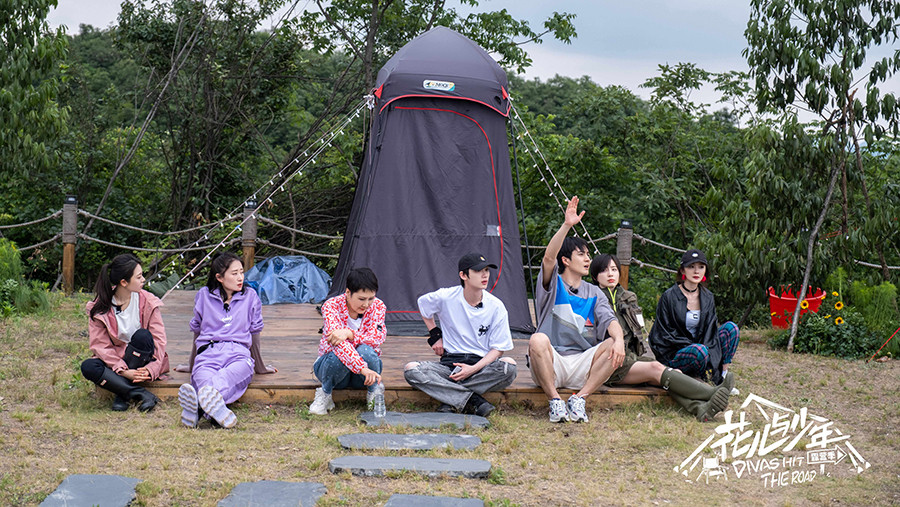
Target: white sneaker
(558, 411)
(212, 403)
(322, 404)
(576, 409)
(187, 398)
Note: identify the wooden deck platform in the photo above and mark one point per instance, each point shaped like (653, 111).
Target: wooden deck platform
(290, 342)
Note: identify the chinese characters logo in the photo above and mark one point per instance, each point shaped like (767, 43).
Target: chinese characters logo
(778, 445)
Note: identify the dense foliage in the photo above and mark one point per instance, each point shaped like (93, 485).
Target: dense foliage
(18, 295)
(183, 110)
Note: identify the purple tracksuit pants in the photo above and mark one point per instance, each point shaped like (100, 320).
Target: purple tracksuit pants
(227, 367)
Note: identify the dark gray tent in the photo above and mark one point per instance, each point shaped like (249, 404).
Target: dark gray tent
(436, 183)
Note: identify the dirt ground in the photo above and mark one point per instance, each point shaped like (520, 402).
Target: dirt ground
(52, 425)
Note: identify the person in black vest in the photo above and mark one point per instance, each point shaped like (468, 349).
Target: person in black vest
(687, 334)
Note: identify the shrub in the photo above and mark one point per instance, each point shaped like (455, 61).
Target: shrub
(836, 330)
(17, 295)
(10, 262)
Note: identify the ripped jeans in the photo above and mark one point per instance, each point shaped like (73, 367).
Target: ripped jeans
(433, 379)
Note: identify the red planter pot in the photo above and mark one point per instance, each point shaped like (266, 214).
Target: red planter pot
(782, 306)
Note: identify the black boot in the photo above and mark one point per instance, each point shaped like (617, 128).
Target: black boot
(124, 389)
(120, 404)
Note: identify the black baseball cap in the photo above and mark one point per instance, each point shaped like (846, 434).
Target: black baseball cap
(474, 261)
(692, 256)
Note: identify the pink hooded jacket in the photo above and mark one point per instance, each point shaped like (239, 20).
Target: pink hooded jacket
(103, 332)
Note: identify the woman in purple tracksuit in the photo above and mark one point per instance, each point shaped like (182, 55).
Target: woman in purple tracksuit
(226, 325)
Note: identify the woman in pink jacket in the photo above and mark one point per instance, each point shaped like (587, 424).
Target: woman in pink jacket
(126, 335)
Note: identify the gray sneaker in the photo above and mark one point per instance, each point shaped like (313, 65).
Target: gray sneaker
(558, 411)
(576, 409)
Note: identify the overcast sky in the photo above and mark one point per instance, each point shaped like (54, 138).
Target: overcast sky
(619, 43)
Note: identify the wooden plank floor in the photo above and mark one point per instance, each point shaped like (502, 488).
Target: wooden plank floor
(290, 341)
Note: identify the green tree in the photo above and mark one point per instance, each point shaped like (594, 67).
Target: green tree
(29, 114)
(812, 54)
(216, 97)
(373, 30)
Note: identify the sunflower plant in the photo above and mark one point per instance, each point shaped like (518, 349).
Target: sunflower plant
(836, 330)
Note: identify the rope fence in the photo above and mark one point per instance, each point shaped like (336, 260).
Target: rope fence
(53, 215)
(269, 221)
(42, 243)
(157, 250)
(294, 250)
(870, 265)
(149, 231)
(644, 240)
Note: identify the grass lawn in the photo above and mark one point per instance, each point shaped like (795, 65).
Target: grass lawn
(52, 425)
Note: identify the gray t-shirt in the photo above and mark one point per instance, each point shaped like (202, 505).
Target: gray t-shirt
(574, 322)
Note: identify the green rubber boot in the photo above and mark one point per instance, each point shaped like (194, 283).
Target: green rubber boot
(701, 400)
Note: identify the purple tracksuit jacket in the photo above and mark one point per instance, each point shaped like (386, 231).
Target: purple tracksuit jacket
(226, 365)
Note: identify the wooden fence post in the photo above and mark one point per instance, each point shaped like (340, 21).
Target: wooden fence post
(248, 234)
(69, 237)
(623, 250)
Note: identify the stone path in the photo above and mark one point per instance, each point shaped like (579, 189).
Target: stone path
(101, 490)
(431, 501)
(274, 494)
(378, 466)
(418, 442)
(425, 420)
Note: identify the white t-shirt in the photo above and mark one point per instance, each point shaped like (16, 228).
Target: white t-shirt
(354, 324)
(128, 320)
(468, 329)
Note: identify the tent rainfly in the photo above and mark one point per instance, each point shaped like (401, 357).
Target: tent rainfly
(436, 183)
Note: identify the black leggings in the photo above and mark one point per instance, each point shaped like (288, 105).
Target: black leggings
(93, 368)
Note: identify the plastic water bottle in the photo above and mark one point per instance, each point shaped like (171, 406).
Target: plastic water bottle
(380, 410)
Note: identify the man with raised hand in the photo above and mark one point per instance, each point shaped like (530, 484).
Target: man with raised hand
(570, 349)
(580, 345)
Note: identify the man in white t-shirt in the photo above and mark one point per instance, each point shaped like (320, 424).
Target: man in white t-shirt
(475, 334)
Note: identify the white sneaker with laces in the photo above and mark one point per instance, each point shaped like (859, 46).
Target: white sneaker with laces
(322, 404)
(212, 403)
(187, 398)
(558, 411)
(575, 407)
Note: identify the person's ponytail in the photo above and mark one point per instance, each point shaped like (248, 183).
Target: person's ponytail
(121, 268)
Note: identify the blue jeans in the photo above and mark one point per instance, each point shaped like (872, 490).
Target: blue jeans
(333, 374)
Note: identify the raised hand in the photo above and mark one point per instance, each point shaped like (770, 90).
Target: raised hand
(572, 215)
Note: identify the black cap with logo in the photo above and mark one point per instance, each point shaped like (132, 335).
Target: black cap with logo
(474, 261)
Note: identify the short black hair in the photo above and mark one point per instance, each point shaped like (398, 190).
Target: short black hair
(601, 262)
(361, 279)
(570, 244)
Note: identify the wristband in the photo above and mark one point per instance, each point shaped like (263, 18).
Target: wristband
(435, 334)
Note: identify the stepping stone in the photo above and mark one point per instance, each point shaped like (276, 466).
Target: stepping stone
(102, 490)
(377, 466)
(274, 494)
(425, 420)
(413, 442)
(431, 501)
